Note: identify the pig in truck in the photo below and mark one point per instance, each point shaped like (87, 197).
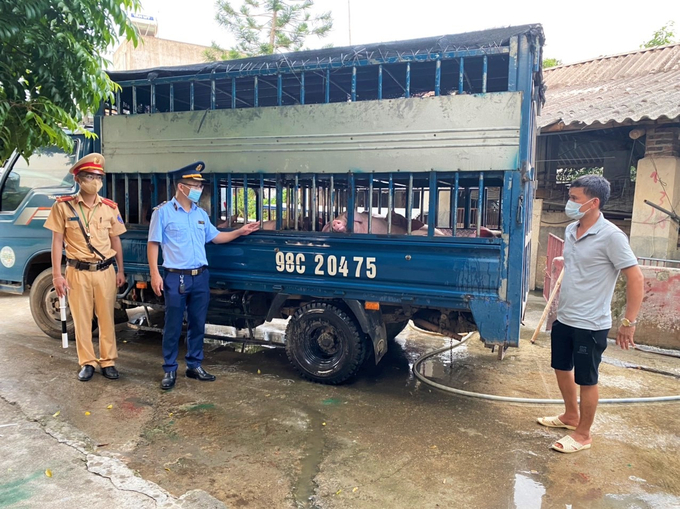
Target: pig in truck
(310, 139)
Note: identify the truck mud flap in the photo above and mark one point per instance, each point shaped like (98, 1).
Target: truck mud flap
(371, 323)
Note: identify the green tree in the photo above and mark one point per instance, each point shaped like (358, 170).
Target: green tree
(262, 27)
(551, 62)
(52, 67)
(664, 35)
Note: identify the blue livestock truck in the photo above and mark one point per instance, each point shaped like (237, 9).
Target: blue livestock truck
(394, 182)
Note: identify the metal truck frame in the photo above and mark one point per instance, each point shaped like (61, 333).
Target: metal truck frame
(431, 141)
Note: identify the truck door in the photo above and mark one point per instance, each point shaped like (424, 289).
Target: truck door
(27, 191)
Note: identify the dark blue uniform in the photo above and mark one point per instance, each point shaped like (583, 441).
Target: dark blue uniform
(183, 236)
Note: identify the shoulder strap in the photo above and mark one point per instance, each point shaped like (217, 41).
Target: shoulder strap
(87, 237)
(65, 198)
(110, 203)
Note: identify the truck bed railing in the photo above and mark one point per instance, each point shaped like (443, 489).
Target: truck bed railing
(314, 82)
(462, 204)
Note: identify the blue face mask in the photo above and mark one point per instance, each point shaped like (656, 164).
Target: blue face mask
(573, 209)
(194, 194)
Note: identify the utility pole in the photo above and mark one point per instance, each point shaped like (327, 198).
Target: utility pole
(349, 22)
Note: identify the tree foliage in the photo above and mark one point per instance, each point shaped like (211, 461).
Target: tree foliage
(262, 27)
(664, 35)
(52, 67)
(551, 62)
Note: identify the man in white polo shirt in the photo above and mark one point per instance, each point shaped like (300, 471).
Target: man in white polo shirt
(595, 251)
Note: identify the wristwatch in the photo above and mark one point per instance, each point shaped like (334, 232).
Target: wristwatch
(627, 323)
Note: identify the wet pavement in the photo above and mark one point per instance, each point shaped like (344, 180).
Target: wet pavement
(261, 437)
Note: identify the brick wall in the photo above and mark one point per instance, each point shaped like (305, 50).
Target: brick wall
(663, 142)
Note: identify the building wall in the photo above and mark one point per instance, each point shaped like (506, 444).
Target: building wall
(551, 222)
(659, 318)
(654, 234)
(154, 52)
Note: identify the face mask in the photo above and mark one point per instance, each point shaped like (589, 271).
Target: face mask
(194, 194)
(573, 209)
(91, 186)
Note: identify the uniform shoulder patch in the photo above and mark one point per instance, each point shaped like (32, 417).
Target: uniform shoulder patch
(62, 199)
(110, 203)
(159, 205)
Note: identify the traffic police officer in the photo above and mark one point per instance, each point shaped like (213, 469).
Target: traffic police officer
(182, 229)
(89, 226)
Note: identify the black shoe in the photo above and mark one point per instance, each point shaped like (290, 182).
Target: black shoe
(200, 374)
(169, 379)
(86, 373)
(110, 372)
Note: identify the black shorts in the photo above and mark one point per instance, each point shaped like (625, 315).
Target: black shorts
(577, 349)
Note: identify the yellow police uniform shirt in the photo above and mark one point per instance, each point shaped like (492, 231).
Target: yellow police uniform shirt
(104, 222)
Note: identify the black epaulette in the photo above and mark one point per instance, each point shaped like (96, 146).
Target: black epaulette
(159, 205)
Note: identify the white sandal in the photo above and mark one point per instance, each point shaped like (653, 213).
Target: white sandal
(569, 445)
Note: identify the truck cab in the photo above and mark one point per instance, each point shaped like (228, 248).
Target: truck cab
(27, 191)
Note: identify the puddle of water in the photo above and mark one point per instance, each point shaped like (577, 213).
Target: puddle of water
(528, 492)
(305, 486)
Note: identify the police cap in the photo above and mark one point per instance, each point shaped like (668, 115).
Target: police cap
(190, 172)
(91, 163)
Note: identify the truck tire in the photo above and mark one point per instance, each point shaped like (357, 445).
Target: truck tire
(45, 307)
(324, 344)
(394, 329)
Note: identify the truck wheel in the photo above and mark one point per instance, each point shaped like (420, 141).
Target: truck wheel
(324, 344)
(394, 329)
(45, 307)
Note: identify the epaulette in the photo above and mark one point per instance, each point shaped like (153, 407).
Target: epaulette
(159, 205)
(110, 203)
(68, 197)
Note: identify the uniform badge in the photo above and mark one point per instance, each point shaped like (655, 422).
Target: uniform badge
(120, 219)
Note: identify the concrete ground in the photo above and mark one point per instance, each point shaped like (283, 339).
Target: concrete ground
(261, 437)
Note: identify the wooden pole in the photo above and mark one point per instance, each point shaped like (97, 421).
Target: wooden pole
(547, 306)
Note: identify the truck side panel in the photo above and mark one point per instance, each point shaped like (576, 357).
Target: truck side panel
(410, 271)
(455, 133)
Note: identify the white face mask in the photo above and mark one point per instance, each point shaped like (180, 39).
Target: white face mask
(573, 209)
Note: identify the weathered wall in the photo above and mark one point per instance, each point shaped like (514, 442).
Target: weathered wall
(551, 222)
(154, 52)
(653, 234)
(659, 318)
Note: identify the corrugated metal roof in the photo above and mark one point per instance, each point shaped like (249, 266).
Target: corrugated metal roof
(629, 87)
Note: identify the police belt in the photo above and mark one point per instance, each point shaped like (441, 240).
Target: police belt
(187, 272)
(91, 266)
